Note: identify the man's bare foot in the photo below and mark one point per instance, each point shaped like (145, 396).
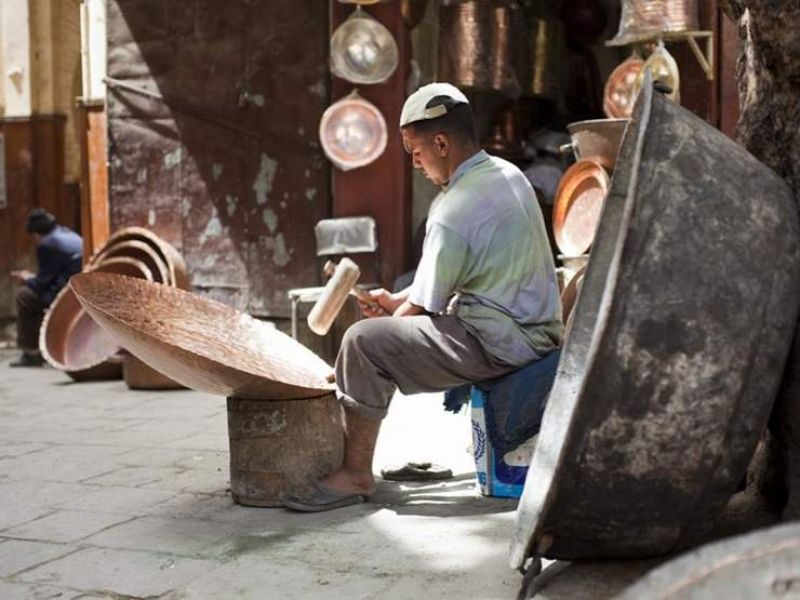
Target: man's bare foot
(347, 481)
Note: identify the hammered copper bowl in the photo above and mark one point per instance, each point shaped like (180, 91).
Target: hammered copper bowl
(72, 342)
(598, 139)
(140, 251)
(202, 344)
(578, 205)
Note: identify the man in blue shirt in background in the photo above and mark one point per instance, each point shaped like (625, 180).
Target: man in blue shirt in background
(59, 253)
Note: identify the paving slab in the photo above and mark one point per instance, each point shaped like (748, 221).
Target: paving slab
(19, 555)
(121, 572)
(64, 526)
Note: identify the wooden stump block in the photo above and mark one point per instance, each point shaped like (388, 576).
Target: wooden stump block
(282, 446)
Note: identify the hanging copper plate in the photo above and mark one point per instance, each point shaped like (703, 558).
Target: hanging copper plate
(202, 344)
(353, 132)
(578, 204)
(621, 88)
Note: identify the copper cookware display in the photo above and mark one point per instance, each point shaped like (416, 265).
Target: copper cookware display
(72, 342)
(479, 45)
(352, 132)
(204, 345)
(578, 204)
(621, 88)
(597, 139)
(362, 50)
(665, 384)
(643, 20)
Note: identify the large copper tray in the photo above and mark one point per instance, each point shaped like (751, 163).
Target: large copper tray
(202, 344)
(677, 347)
(578, 204)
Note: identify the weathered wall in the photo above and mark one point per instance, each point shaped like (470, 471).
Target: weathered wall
(39, 69)
(219, 154)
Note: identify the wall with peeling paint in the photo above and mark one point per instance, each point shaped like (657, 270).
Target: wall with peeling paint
(218, 151)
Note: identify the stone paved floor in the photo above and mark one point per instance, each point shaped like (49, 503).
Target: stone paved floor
(111, 493)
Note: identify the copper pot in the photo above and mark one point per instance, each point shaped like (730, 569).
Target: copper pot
(479, 45)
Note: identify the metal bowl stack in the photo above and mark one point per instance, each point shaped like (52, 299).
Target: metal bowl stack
(70, 340)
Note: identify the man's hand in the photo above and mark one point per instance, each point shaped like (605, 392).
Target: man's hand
(21, 276)
(383, 304)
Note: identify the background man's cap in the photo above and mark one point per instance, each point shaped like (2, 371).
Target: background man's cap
(430, 102)
(39, 220)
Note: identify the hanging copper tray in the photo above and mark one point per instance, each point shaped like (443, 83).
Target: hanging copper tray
(71, 341)
(579, 201)
(202, 344)
(677, 347)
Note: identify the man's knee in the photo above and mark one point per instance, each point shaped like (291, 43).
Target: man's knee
(360, 336)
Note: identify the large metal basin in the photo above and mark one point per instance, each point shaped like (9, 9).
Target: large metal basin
(200, 343)
(761, 564)
(677, 346)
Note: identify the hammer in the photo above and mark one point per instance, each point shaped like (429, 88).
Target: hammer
(342, 282)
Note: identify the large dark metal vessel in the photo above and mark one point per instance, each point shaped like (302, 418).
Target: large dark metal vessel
(677, 347)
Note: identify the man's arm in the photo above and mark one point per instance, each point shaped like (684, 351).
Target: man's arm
(50, 265)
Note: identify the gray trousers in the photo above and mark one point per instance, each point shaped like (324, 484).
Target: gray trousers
(415, 354)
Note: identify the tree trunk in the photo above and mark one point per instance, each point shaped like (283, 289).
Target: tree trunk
(768, 74)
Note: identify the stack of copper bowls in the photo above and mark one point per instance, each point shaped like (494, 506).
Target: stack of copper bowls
(71, 341)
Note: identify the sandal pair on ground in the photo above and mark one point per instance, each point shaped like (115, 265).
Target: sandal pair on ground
(321, 498)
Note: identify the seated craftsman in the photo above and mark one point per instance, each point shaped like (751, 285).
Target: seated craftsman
(484, 300)
(59, 252)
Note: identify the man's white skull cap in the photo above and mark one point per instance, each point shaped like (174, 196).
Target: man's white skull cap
(430, 102)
